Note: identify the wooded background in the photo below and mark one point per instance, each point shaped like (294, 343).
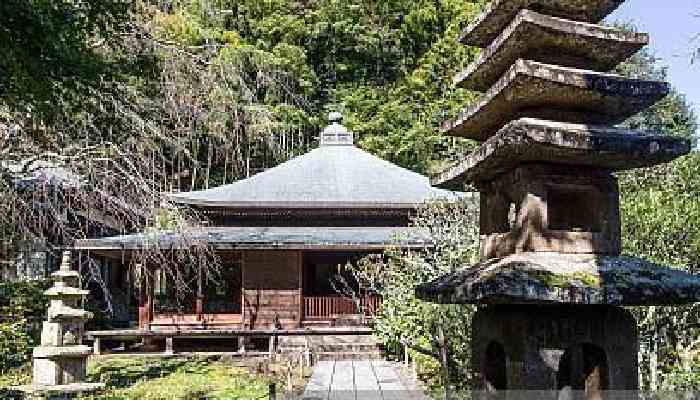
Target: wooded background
(105, 106)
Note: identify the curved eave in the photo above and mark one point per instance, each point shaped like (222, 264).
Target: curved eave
(555, 278)
(295, 204)
(259, 238)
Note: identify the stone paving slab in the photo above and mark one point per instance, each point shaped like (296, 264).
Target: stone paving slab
(360, 380)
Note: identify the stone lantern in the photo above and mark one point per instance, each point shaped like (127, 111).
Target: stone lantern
(60, 363)
(552, 281)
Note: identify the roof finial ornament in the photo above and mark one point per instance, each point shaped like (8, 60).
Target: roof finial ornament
(336, 134)
(335, 117)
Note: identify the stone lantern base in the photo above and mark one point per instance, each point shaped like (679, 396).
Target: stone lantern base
(556, 349)
(58, 392)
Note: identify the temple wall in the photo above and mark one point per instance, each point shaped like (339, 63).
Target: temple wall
(271, 281)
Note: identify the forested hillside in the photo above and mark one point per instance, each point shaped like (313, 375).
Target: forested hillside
(123, 101)
(187, 94)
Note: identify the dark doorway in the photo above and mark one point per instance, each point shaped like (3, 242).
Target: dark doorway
(494, 367)
(331, 291)
(583, 368)
(325, 274)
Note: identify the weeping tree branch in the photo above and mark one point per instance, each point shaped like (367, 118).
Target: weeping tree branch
(108, 167)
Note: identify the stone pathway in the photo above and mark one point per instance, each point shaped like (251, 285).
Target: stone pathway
(359, 380)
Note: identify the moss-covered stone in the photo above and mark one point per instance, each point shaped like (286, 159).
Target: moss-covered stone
(527, 278)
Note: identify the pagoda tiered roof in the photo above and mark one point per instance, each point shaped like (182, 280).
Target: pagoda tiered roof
(551, 40)
(545, 91)
(529, 140)
(549, 154)
(488, 25)
(65, 313)
(65, 291)
(62, 352)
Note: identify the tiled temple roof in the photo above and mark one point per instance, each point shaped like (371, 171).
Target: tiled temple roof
(335, 175)
(258, 238)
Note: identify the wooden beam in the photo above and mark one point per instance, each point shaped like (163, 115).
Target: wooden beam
(195, 333)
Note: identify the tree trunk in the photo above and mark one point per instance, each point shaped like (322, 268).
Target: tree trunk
(444, 362)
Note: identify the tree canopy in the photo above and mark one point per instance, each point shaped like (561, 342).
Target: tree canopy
(107, 106)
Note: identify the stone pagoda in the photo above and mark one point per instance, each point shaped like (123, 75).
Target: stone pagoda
(60, 363)
(552, 278)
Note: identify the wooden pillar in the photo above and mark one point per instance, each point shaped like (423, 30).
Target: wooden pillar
(97, 346)
(272, 347)
(199, 301)
(243, 303)
(145, 299)
(169, 346)
(199, 307)
(241, 344)
(300, 265)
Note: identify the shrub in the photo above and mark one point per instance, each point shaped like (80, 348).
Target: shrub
(406, 320)
(22, 306)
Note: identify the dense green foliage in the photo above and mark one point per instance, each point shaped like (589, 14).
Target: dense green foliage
(22, 305)
(142, 97)
(406, 323)
(129, 378)
(661, 211)
(47, 57)
(388, 64)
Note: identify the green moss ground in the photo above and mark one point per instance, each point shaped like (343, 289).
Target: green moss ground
(177, 379)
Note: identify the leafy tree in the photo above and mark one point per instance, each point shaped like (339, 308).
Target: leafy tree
(657, 205)
(50, 49)
(421, 327)
(21, 304)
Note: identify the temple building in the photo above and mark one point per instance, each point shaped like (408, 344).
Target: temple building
(280, 236)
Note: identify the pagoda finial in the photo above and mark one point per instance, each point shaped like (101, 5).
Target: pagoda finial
(335, 117)
(336, 134)
(66, 261)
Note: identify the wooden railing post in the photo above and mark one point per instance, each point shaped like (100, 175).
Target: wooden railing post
(96, 346)
(326, 306)
(272, 391)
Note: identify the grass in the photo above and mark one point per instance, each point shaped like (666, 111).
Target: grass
(177, 379)
(14, 377)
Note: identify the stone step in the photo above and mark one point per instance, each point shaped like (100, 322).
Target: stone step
(349, 356)
(332, 348)
(335, 347)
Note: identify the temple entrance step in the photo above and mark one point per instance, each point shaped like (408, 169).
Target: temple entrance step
(317, 324)
(349, 356)
(349, 320)
(335, 347)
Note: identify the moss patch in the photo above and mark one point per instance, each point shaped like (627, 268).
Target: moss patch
(144, 378)
(552, 280)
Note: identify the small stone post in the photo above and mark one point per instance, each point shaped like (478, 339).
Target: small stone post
(60, 363)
